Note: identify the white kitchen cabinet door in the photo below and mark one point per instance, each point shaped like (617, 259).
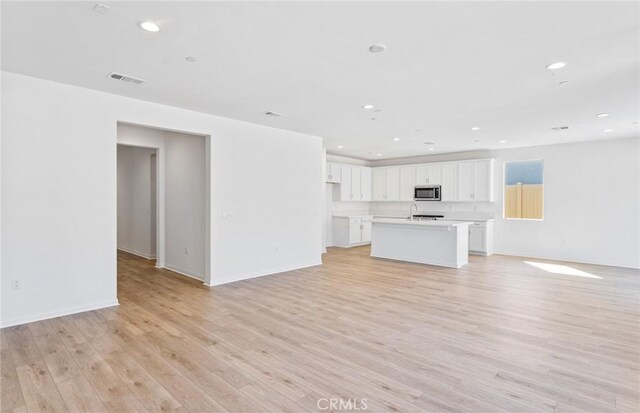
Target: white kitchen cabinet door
(366, 230)
(477, 239)
(355, 230)
(482, 181)
(449, 182)
(407, 182)
(346, 193)
(379, 184)
(356, 184)
(422, 175)
(434, 174)
(333, 173)
(429, 174)
(465, 181)
(393, 184)
(365, 184)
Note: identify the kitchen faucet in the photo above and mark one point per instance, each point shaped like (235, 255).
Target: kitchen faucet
(411, 211)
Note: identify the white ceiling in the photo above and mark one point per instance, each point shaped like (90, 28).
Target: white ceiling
(447, 67)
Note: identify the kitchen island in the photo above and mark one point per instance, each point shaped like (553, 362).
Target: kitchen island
(443, 243)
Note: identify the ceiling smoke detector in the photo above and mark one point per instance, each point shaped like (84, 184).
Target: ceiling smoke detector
(273, 114)
(126, 78)
(557, 128)
(101, 8)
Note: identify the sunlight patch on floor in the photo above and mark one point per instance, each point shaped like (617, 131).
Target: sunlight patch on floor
(561, 269)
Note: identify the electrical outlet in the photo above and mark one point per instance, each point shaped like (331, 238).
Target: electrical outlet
(16, 284)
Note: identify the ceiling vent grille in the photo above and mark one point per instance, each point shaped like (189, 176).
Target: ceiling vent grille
(560, 128)
(274, 114)
(126, 78)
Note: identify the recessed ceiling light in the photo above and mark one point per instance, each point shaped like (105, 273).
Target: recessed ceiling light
(607, 130)
(367, 107)
(431, 149)
(377, 48)
(602, 115)
(502, 141)
(379, 154)
(429, 143)
(563, 83)
(396, 139)
(150, 27)
(556, 65)
(190, 59)
(475, 128)
(340, 146)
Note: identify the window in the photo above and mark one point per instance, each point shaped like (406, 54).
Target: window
(523, 189)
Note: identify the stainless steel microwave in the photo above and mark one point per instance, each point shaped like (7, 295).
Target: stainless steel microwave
(427, 193)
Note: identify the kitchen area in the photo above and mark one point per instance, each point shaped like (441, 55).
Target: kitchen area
(433, 213)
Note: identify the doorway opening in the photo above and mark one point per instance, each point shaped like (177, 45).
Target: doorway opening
(163, 204)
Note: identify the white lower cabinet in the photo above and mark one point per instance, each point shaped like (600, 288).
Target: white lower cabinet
(481, 238)
(351, 231)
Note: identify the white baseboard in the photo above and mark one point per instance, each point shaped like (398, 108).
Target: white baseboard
(138, 253)
(261, 273)
(57, 313)
(590, 262)
(182, 272)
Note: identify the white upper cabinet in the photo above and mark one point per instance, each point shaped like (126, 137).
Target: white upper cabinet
(379, 184)
(346, 189)
(475, 181)
(429, 174)
(393, 184)
(483, 180)
(465, 181)
(407, 182)
(333, 173)
(461, 181)
(355, 183)
(449, 182)
(366, 183)
(386, 184)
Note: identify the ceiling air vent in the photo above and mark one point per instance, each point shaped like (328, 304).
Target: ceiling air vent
(274, 114)
(560, 128)
(126, 78)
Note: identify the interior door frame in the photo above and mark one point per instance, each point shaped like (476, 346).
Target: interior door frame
(160, 192)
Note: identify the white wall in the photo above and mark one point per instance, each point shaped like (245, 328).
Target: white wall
(185, 203)
(591, 202)
(134, 201)
(59, 151)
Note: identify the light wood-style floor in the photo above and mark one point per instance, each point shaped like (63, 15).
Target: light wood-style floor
(497, 335)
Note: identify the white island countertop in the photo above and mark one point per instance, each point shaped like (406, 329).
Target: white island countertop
(421, 223)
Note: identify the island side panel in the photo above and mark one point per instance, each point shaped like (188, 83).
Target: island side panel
(418, 243)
